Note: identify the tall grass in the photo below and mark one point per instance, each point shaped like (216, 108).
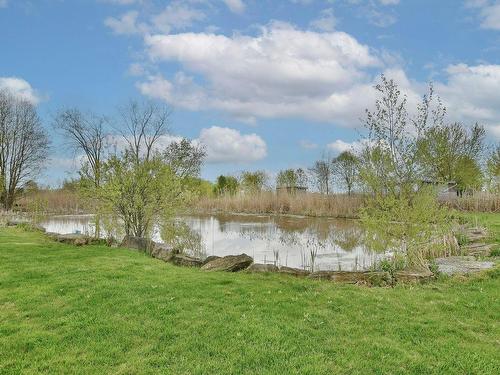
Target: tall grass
(309, 204)
(477, 202)
(52, 201)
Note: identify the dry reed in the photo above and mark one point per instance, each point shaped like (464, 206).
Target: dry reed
(477, 202)
(308, 204)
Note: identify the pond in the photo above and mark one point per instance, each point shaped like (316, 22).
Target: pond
(300, 242)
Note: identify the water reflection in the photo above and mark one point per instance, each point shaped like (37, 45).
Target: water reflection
(309, 243)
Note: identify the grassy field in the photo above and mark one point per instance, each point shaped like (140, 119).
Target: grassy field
(99, 310)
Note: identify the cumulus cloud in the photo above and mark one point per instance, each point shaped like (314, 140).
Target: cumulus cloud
(226, 145)
(471, 94)
(19, 88)
(282, 72)
(236, 6)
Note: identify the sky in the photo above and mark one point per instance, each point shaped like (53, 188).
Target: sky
(262, 84)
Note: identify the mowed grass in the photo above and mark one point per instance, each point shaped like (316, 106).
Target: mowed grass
(96, 310)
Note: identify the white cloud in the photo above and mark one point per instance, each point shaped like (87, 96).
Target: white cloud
(126, 24)
(19, 88)
(226, 145)
(326, 20)
(339, 146)
(3, 3)
(471, 93)
(236, 6)
(282, 72)
(176, 16)
(489, 12)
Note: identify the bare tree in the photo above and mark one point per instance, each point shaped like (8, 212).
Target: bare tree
(144, 123)
(322, 173)
(85, 133)
(24, 146)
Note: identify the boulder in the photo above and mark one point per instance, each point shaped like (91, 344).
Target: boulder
(230, 263)
(38, 228)
(138, 243)
(73, 239)
(209, 259)
(294, 271)
(413, 276)
(261, 268)
(376, 278)
(461, 265)
(185, 260)
(163, 252)
(14, 223)
(477, 249)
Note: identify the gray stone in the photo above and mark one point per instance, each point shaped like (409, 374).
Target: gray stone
(230, 263)
(294, 271)
(73, 239)
(209, 259)
(14, 223)
(477, 249)
(461, 265)
(185, 260)
(413, 276)
(261, 268)
(376, 278)
(162, 251)
(138, 243)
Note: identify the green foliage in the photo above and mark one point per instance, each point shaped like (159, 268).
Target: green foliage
(139, 191)
(345, 169)
(406, 225)
(68, 310)
(182, 238)
(226, 185)
(493, 170)
(254, 182)
(452, 153)
(291, 178)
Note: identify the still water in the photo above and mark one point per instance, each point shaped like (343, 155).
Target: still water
(307, 243)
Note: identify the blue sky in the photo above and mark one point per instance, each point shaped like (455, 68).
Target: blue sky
(263, 84)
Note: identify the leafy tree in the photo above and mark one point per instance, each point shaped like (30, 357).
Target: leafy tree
(226, 185)
(291, 178)
(254, 182)
(322, 172)
(185, 158)
(493, 169)
(345, 169)
(139, 192)
(389, 162)
(399, 208)
(451, 152)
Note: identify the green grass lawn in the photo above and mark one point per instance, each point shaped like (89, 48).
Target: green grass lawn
(99, 310)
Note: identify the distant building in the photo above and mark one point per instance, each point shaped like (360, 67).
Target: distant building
(445, 190)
